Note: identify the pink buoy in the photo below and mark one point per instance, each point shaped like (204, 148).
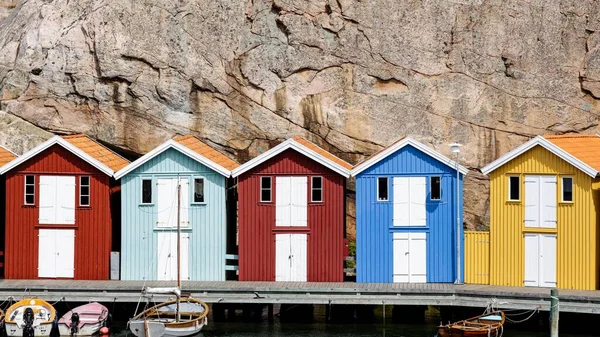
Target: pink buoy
(104, 330)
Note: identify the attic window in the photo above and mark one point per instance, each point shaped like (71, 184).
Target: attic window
(84, 191)
(567, 189)
(317, 189)
(435, 188)
(265, 189)
(146, 191)
(514, 188)
(198, 190)
(382, 189)
(29, 190)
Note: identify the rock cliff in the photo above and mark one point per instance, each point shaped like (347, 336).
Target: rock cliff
(351, 75)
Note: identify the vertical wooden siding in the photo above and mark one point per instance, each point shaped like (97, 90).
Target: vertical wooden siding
(576, 231)
(477, 257)
(374, 227)
(207, 221)
(257, 221)
(92, 224)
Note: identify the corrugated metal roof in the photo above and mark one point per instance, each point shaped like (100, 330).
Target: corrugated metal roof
(322, 152)
(206, 151)
(98, 151)
(583, 147)
(6, 156)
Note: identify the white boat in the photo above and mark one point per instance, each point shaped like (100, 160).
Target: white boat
(30, 317)
(85, 320)
(183, 316)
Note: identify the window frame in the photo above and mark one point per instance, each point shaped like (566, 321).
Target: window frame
(510, 176)
(193, 199)
(89, 191)
(270, 188)
(312, 189)
(562, 190)
(25, 194)
(387, 183)
(431, 188)
(142, 192)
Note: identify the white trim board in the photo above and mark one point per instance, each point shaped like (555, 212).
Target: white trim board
(56, 140)
(291, 144)
(399, 145)
(171, 144)
(543, 142)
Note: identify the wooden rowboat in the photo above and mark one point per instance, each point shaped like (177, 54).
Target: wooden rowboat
(488, 325)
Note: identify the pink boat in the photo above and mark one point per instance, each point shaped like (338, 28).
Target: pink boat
(85, 320)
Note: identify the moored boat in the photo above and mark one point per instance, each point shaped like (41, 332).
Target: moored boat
(85, 320)
(30, 317)
(489, 324)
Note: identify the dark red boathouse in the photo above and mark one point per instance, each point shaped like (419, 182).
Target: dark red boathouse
(58, 210)
(291, 214)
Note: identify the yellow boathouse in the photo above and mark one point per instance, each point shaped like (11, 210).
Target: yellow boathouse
(544, 203)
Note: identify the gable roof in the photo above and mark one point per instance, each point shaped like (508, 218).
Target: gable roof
(6, 155)
(91, 152)
(191, 147)
(577, 150)
(399, 144)
(305, 148)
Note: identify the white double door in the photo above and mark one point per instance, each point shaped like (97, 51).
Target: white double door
(410, 257)
(410, 196)
(56, 253)
(166, 203)
(291, 201)
(291, 257)
(540, 201)
(540, 260)
(167, 256)
(57, 200)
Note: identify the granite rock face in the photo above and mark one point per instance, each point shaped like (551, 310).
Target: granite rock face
(350, 75)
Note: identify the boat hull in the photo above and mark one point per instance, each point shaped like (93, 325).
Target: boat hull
(42, 330)
(44, 317)
(447, 332)
(160, 320)
(488, 325)
(92, 317)
(85, 330)
(158, 329)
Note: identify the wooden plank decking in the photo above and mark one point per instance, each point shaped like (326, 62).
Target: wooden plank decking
(311, 293)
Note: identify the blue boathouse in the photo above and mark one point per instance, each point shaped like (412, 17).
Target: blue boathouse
(406, 215)
(149, 194)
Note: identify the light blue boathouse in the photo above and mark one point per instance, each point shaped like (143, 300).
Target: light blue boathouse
(406, 219)
(149, 199)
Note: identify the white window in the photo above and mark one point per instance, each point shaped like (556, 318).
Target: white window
(29, 190)
(382, 189)
(146, 191)
(84, 191)
(198, 190)
(316, 189)
(567, 189)
(514, 188)
(265, 189)
(435, 188)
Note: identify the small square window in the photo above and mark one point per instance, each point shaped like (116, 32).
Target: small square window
(29, 190)
(146, 191)
(435, 187)
(317, 189)
(198, 190)
(265, 189)
(84, 191)
(567, 189)
(514, 188)
(382, 189)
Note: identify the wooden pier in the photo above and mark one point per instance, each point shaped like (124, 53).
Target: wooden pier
(234, 292)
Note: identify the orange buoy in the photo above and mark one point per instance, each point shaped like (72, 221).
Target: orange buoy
(104, 330)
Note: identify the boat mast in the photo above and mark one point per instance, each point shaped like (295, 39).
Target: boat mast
(178, 243)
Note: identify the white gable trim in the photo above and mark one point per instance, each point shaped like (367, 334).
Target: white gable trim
(171, 144)
(65, 144)
(7, 149)
(543, 142)
(291, 144)
(407, 141)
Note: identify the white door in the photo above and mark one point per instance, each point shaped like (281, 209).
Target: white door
(56, 253)
(410, 197)
(540, 201)
(47, 202)
(167, 256)
(291, 257)
(57, 200)
(166, 203)
(540, 260)
(410, 257)
(291, 201)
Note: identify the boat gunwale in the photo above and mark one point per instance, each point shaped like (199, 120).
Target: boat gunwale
(26, 302)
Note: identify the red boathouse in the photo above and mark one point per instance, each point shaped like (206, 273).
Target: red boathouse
(58, 210)
(291, 206)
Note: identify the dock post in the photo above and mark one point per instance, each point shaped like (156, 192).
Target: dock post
(383, 312)
(554, 313)
(270, 312)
